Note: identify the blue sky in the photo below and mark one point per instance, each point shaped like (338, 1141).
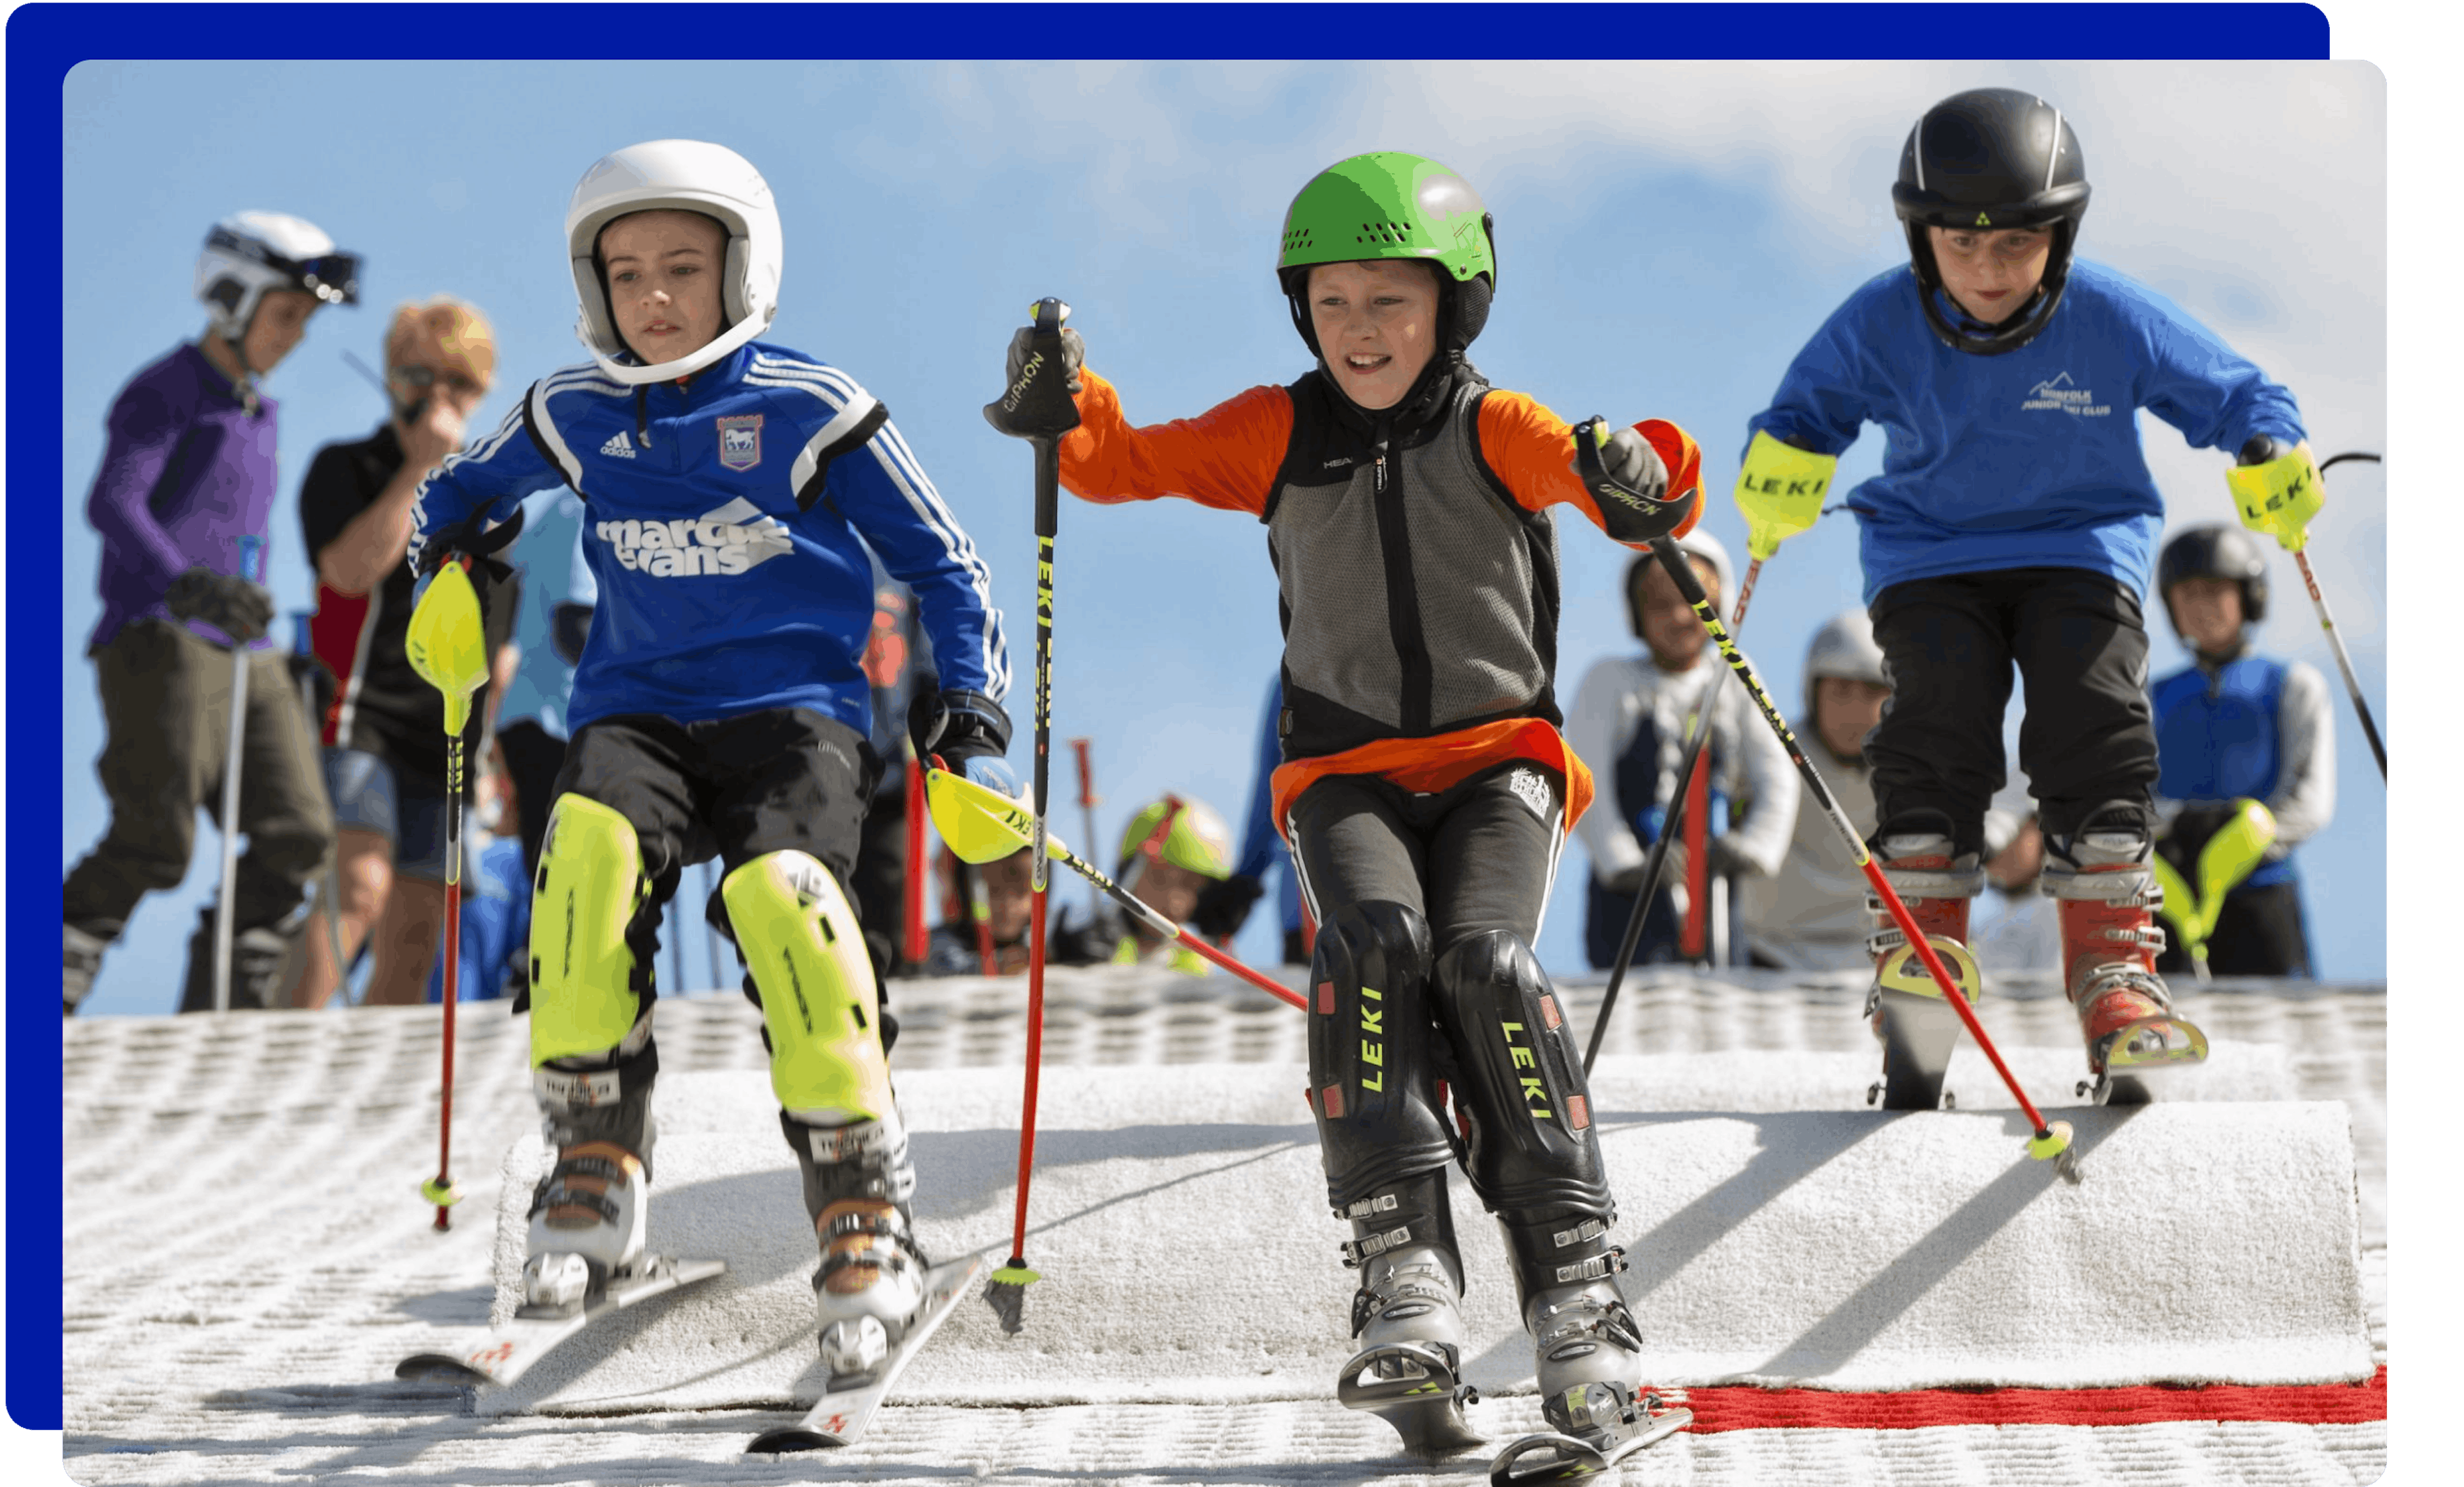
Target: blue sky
(1668, 235)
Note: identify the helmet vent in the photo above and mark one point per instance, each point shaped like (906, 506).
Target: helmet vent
(1398, 233)
(1295, 240)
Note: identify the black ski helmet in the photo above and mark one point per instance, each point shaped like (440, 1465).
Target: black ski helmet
(2216, 552)
(1986, 159)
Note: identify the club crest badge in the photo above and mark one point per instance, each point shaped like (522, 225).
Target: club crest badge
(739, 441)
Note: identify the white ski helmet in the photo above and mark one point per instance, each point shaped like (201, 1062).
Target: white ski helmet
(1697, 543)
(682, 175)
(1843, 647)
(249, 252)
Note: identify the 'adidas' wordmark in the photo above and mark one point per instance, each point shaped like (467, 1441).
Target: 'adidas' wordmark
(620, 446)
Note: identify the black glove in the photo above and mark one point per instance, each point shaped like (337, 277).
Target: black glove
(1224, 906)
(961, 727)
(229, 603)
(1037, 402)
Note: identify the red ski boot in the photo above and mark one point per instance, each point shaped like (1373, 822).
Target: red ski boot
(2106, 895)
(1917, 1027)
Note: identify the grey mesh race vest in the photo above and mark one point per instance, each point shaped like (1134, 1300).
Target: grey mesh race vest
(1418, 598)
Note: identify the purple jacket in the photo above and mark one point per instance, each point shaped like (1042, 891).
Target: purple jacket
(186, 474)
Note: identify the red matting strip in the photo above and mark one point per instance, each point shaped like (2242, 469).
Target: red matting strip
(1747, 1409)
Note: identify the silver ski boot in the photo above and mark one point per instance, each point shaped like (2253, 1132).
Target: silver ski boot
(869, 1287)
(590, 1214)
(1405, 1317)
(1587, 1356)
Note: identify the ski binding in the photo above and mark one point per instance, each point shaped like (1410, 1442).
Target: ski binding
(847, 1402)
(509, 1351)
(1554, 1458)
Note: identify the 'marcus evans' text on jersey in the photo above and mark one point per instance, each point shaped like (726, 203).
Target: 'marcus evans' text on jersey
(722, 519)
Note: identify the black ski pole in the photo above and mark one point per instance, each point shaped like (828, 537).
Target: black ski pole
(2049, 1140)
(1036, 408)
(2335, 641)
(1698, 747)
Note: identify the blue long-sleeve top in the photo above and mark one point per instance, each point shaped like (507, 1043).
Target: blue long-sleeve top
(2027, 459)
(726, 521)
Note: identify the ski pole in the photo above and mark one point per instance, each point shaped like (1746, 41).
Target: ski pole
(1696, 748)
(1087, 800)
(252, 567)
(1041, 410)
(917, 942)
(449, 649)
(983, 825)
(2049, 1140)
(2335, 640)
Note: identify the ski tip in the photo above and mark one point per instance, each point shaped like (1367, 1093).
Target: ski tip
(793, 1437)
(437, 1368)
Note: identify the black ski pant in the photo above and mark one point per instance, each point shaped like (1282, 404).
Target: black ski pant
(1470, 859)
(1949, 646)
(167, 695)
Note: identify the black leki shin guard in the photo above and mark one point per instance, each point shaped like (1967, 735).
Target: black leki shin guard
(1532, 1149)
(1370, 1046)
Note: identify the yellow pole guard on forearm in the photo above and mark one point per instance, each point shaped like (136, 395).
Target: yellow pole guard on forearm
(1780, 492)
(2280, 497)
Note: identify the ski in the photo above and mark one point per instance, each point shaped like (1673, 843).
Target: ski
(1918, 1024)
(1416, 1387)
(847, 1404)
(509, 1351)
(1553, 1457)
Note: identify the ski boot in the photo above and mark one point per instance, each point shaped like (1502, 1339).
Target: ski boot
(2105, 894)
(1587, 1355)
(869, 1288)
(1917, 1027)
(1409, 1370)
(589, 1215)
(80, 961)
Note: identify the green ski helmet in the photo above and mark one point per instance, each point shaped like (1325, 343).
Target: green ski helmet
(1389, 204)
(1198, 840)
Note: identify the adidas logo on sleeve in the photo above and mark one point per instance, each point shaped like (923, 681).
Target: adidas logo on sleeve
(618, 447)
(728, 540)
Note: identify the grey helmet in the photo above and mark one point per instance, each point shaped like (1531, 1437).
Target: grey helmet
(1843, 647)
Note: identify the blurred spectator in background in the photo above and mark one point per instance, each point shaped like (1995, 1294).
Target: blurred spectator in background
(1629, 723)
(185, 504)
(385, 735)
(2233, 730)
(1810, 915)
(1169, 853)
(898, 664)
(551, 624)
(2012, 924)
(1003, 894)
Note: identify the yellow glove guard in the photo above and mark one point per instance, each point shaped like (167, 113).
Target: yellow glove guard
(1780, 492)
(2230, 856)
(2279, 497)
(447, 643)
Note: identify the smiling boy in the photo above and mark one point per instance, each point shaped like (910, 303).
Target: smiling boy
(1425, 789)
(731, 490)
(2012, 524)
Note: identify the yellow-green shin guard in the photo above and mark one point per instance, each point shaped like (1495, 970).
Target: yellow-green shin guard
(799, 936)
(590, 885)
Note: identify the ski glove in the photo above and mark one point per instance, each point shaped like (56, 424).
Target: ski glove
(968, 730)
(1021, 417)
(1224, 906)
(229, 603)
(1780, 492)
(2276, 487)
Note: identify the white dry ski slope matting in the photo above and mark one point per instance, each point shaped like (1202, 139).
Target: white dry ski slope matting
(247, 1256)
